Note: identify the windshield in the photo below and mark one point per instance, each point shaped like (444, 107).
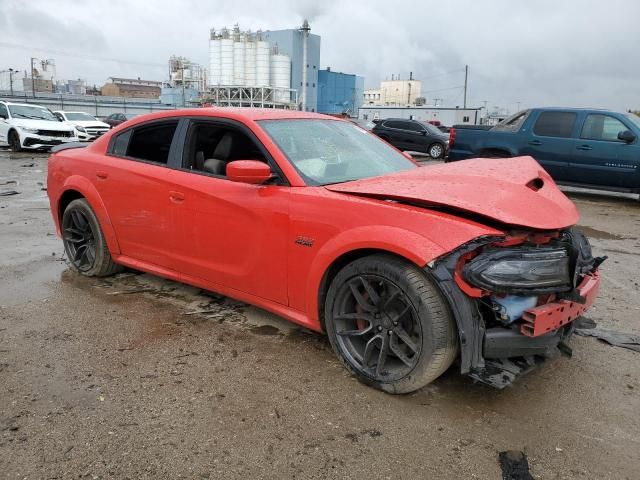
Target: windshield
(635, 119)
(331, 151)
(31, 112)
(79, 116)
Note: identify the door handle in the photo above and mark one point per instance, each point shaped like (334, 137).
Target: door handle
(176, 197)
(102, 175)
(535, 142)
(584, 147)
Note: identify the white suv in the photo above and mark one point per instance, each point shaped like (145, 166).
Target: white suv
(88, 127)
(26, 126)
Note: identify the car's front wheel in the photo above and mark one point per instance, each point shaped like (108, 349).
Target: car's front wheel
(389, 324)
(84, 241)
(436, 150)
(14, 141)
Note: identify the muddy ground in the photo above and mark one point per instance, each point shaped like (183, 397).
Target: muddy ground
(138, 377)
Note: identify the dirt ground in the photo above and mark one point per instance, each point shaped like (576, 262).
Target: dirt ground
(138, 377)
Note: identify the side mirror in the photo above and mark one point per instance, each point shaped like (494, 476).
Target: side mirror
(3, 116)
(248, 171)
(627, 136)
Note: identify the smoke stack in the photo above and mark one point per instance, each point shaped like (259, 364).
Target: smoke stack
(305, 29)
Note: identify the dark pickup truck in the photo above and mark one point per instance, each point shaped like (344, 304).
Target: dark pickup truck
(589, 148)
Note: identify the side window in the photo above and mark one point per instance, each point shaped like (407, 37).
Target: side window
(211, 146)
(3, 111)
(394, 124)
(412, 126)
(555, 124)
(152, 142)
(120, 144)
(602, 127)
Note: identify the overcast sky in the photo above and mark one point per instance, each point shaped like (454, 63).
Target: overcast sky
(538, 53)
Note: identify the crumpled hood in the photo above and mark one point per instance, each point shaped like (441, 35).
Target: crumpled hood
(41, 124)
(514, 191)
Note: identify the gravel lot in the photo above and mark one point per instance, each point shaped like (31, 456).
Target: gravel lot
(138, 377)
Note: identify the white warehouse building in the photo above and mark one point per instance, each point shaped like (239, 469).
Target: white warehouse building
(447, 116)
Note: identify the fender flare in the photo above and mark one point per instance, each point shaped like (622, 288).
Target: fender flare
(409, 245)
(90, 193)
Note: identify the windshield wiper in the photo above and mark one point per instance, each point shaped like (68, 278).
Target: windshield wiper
(22, 115)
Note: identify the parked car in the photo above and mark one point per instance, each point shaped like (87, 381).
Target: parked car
(405, 268)
(26, 126)
(87, 126)
(412, 135)
(116, 119)
(589, 148)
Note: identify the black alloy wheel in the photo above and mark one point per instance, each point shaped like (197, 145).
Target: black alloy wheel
(79, 239)
(84, 241)
(389, 324)
(377, 327)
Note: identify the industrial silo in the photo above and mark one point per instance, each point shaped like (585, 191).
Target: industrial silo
(250, 62)
(214, 58)
(239, 42)
(226, 59)
(280, 76)
(262, 63)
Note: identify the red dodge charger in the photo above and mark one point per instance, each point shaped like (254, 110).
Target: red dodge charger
(405, 268)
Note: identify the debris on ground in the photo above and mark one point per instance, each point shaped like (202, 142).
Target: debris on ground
(6, 193)
(616, 339)
(514, 465)
(28, 165)
(8, 182)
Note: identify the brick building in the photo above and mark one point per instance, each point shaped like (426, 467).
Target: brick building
(132, 88)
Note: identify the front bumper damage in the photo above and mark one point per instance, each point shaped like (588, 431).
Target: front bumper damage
(495, 352)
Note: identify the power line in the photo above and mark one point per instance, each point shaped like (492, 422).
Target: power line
(443, 74)
(75, 55)
(442, 89)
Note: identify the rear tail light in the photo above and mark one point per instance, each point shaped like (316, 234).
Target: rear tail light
(452, 137)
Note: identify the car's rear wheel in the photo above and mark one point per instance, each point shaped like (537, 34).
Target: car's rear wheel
(436, 150)
(14, 141)
(389, 324)
(84, 241)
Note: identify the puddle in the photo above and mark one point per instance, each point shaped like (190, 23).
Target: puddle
(26, 283)
(601, 234)
(265, 330)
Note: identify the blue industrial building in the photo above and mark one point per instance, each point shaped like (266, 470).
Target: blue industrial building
(291, 42)
(339, 92)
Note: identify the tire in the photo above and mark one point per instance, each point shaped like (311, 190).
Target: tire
(436, 150)
(381, 302)
(84, 241)
(14, 141)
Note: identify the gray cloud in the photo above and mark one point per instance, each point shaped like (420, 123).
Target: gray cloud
(574, 52)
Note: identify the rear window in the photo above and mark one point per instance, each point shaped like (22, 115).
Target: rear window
(146, 142)
(555, 124)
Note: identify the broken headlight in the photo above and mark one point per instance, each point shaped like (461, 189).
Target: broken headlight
(520, 270)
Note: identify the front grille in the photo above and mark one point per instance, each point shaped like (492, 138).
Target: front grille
(54, 133)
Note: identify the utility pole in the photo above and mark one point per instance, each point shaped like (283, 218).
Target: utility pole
(33, 83)
(466, 77)
(11, 80)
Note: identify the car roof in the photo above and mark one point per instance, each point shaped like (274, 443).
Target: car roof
(235, 113)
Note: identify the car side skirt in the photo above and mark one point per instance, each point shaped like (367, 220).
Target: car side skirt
(282, 310)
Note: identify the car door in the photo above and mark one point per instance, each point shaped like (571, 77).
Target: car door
(395, 130)
(229, 233)
(415, 135)
(550, 141)
(4, 124)
(132, 180)
(600, 158)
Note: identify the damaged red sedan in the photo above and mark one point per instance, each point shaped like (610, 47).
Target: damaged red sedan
(405, 268)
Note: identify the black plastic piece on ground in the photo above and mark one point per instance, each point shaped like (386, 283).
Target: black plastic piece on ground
(514, 465)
